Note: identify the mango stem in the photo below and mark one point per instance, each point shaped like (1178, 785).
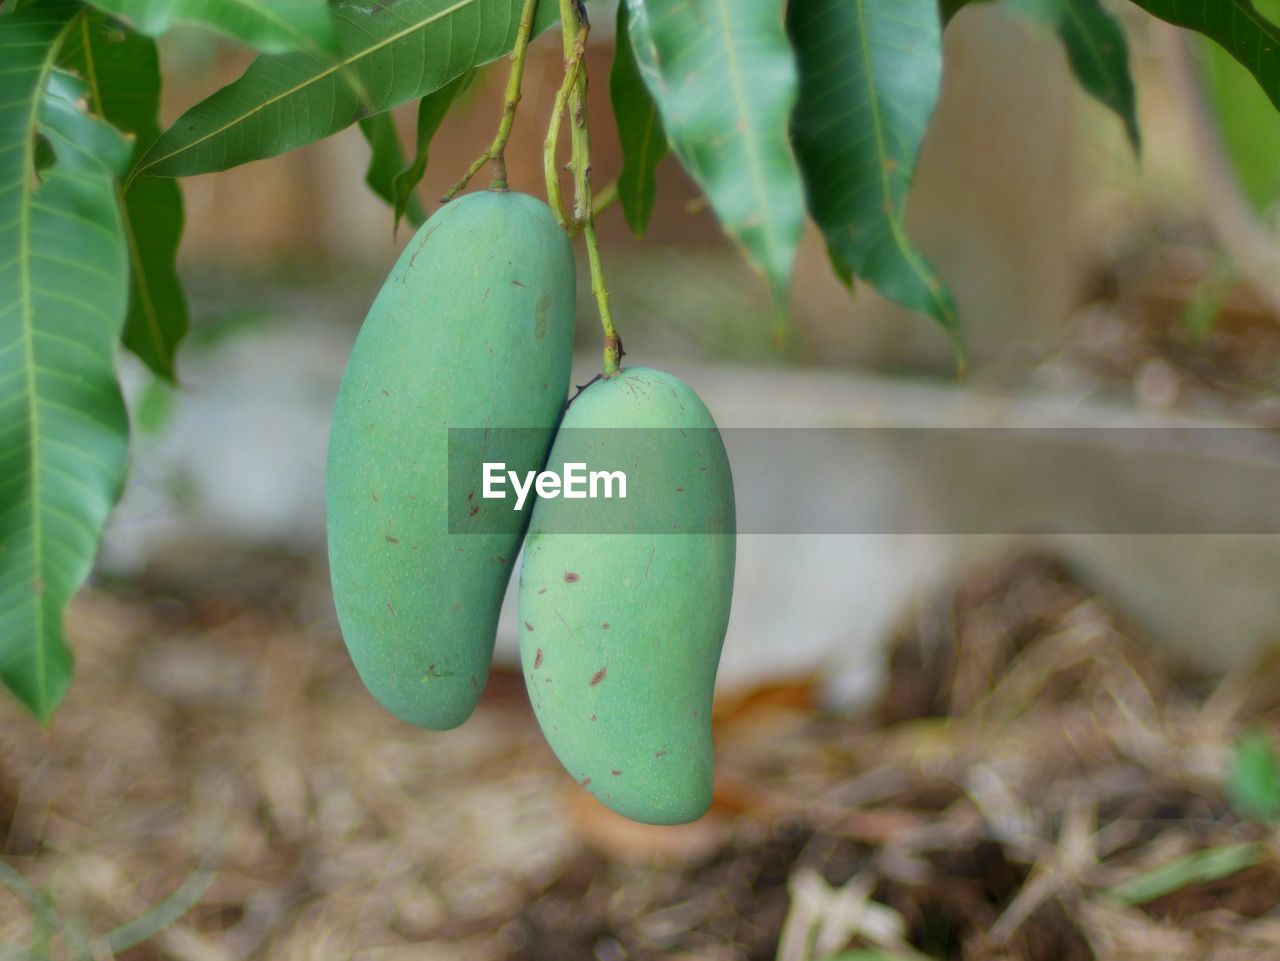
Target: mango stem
(573, 95)
(496, 151)
(612, 342)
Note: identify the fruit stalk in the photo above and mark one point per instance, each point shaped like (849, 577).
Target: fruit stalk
(496, 151)
(575, 87)
(612, 342)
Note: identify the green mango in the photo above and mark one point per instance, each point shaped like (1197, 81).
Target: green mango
(472, 330)
(624, 602)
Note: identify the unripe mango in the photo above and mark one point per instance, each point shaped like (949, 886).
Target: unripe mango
(473, 329)
(624, 603)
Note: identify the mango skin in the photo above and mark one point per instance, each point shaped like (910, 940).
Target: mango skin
(473, 329)
(621, 632)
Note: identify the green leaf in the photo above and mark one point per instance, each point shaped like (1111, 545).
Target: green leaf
(1211, 864)
(123, 72)
(273, 26)
(389, 176)
(1099, 57)
(1253, 778)
(1096, 49)
(725, 84)
(63, 295)
(431, 112)
(13, 6)
(644, 142)
(1235, 24)
(869, 75)
(389, 54)
(386, 160)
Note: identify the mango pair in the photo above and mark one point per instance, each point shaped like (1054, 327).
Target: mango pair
(623, 607)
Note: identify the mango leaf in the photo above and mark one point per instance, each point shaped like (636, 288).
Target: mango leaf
(869, 75)
(431, 112)
(1238, 26)
(1200, 867)
(1099, 56)
(1096, 49)
(63, 294)
(272, 26)
(388, 54)
(644, 142)
(725, 83)
(123, 72)
(386, 160)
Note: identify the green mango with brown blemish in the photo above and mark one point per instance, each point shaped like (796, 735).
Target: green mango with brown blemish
(472, 330)
(624, 602)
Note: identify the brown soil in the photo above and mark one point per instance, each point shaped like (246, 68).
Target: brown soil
(1027, 755)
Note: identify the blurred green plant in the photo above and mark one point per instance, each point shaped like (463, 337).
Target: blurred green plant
(53, 936)
(1211, 864)
(1253, 777)
(1200, 315)
(814, 111)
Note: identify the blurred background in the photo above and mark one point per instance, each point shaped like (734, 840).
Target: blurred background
(971, 746)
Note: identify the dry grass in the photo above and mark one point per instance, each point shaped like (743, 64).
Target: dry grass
(1027, 757)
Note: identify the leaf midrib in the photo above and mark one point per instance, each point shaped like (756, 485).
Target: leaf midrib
(315, 78)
